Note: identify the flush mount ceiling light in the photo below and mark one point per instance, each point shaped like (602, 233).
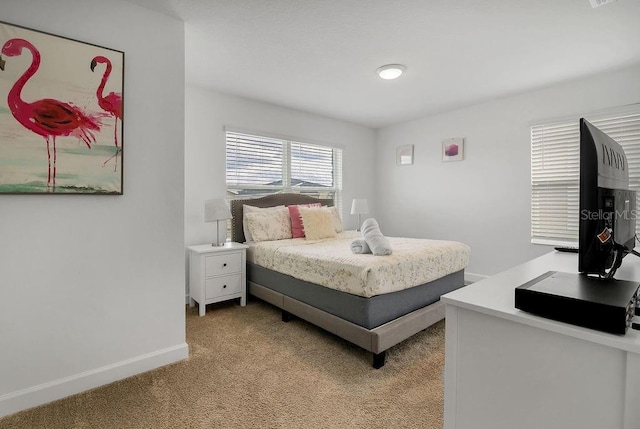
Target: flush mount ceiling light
(391, 71)
(598, 3)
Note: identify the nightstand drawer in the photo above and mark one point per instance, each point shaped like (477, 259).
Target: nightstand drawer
(223, 264)
(224, 285)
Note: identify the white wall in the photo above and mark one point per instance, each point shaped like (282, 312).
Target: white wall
(208, 112)
(92, 287)
(484, 200)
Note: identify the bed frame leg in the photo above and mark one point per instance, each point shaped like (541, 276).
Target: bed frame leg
(378, 359)
(286, 316)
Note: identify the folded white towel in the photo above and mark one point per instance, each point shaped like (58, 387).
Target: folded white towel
(378, 243)
(359, 245)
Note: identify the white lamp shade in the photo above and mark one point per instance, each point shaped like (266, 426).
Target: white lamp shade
(216, 209)
(359, 206)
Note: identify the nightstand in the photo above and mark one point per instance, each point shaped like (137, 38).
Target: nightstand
(217, 273)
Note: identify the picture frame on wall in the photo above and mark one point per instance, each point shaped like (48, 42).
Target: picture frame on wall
(404, 154)
(61, 114)
(453, 149)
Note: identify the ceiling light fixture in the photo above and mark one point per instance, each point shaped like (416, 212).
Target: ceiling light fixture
(391, 71)
(598, 3)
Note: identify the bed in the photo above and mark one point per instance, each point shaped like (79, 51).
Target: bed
(387, 310)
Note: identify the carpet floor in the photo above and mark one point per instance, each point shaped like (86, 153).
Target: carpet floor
(248, 369)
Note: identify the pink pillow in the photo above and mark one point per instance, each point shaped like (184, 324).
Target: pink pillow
(297, 230)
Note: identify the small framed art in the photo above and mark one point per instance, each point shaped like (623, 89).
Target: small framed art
(453, 149)
(404, 154)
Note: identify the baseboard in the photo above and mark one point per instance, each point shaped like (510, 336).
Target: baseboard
(63, 387)
(472, 278)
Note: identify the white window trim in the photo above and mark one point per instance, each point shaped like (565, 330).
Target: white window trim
(277, 136)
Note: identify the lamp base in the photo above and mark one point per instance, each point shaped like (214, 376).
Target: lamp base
(217, 242)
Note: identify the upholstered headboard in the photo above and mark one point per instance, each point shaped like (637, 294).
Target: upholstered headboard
(237, 233)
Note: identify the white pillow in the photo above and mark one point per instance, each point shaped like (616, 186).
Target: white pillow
(318, 223)
(251, 209)
(269, 225)
(337, 222)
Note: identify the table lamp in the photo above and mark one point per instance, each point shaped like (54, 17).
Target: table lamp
(359, 206)
(216, 210)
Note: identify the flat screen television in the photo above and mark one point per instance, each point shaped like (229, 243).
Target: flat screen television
(607, 206)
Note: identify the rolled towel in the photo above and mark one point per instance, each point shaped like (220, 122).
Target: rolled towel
(359, 245)
(378, 243)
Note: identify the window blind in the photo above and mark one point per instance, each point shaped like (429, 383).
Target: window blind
(253, 160)
(555, 172)
(311, 165)
(260, 165)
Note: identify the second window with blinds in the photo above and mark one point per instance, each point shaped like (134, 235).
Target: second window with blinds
(261, 165)
(555, 172)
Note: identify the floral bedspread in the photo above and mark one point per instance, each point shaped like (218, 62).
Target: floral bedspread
(331, 263)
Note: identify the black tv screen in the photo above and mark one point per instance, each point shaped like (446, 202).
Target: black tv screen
(607, 207)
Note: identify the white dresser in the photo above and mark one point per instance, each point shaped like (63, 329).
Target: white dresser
(217, 273)
(506, 369)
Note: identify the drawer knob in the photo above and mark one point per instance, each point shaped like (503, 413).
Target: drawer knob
(224, 286)
(224, 265)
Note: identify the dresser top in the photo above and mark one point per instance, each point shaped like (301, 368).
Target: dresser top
(495, 296)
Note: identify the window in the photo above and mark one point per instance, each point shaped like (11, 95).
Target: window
(555, 172)
(258, 165)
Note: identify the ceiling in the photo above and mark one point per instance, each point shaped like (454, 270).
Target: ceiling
(320, 56)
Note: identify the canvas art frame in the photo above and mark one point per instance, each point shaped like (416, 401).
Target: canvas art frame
(404, 154)
(61, 114)
(453, 149)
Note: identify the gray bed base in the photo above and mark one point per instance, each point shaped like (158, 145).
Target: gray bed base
(376, 340)
(368, 312)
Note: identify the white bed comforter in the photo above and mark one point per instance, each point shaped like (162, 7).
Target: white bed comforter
(330, 262)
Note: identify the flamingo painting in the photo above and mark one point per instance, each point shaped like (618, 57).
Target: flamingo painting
(49, 118)
(112, 102)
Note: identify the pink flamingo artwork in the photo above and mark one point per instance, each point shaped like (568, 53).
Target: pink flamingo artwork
(48, 117)
(112, 102)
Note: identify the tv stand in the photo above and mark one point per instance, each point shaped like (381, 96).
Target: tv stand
(506, 368)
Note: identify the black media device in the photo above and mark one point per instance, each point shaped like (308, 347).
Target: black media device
(603, 304)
